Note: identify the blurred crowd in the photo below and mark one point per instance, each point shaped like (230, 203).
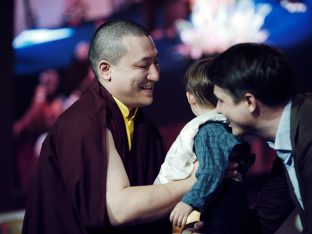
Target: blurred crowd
(55, 91)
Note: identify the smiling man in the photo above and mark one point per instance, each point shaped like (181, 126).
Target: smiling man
(99, 161)
(254, 87)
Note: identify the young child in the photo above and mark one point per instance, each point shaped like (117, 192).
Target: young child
(208, 139)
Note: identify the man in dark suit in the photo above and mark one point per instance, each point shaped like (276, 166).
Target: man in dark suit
(254, 87)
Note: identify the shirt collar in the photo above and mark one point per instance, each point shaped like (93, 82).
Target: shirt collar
(125, 111)
(282, 140)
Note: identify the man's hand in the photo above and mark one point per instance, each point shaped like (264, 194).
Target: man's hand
(233, 173)
(193, 228)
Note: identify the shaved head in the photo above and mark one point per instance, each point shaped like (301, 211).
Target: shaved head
(107, 42)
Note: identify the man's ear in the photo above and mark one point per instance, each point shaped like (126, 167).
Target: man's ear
(251, 102)
(190, 98)
(105, 70)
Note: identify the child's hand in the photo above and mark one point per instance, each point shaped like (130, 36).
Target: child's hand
(180, 213)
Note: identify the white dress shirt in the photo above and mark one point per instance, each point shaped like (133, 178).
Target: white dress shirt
(282, 145)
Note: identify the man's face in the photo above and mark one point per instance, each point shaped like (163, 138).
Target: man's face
(134, 76)
(238, 113)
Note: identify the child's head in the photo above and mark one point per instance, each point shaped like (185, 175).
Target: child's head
(198, 86)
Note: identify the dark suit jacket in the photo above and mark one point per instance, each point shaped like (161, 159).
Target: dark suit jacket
(277, 200)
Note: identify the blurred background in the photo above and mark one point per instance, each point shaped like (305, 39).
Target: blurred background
(44, 69)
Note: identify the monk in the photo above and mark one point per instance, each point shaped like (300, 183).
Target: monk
(98, 163)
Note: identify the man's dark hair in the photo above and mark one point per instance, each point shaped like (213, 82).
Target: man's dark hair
(198, 84)
(107, 41)
(254, 68)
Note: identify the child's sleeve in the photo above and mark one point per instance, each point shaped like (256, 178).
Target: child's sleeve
(213, 145)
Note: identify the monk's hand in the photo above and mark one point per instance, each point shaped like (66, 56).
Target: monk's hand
(195, 167)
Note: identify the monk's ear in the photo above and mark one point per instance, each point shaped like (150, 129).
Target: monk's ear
(190, 98)
(105, 70)
(251, 102)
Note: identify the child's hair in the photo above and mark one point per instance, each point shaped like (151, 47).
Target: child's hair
(197, 83)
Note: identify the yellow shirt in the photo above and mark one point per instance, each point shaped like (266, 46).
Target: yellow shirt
(128, 118)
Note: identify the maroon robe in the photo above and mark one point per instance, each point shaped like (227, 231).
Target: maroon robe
(69, 189)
